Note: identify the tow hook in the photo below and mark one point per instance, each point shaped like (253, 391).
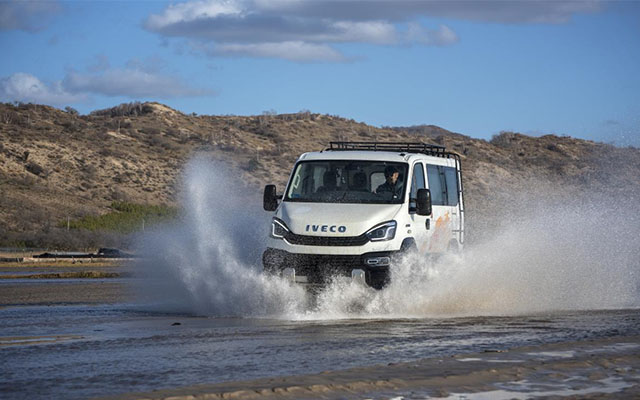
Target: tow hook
(289, 274)
(357, 275)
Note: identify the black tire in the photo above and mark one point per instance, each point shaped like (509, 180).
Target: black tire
(272, 261)
(379, 278)
(408, 245)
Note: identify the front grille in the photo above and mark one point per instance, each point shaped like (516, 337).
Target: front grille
(326, 240)
(318, 268)
(314, 261)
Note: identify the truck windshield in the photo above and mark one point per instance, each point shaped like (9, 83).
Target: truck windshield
(348, 181)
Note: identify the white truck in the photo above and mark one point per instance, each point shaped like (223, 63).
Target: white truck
(353, 208)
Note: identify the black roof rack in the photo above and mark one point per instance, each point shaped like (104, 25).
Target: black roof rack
(400, 147)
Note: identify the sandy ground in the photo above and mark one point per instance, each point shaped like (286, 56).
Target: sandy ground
(54, 293)
(605, 368)
(62, 282)
(60, 263)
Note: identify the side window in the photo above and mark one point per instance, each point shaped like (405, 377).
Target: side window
(416, 183)
(451, 177)
(436, 185)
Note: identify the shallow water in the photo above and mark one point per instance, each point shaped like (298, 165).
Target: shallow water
(86, 351)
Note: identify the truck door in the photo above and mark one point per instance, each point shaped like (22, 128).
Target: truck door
(441, 223)
(453, 201)
(420, 224)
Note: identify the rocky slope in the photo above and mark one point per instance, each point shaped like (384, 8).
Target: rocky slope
(56, 164)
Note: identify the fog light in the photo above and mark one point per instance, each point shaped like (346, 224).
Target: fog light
(378, 261)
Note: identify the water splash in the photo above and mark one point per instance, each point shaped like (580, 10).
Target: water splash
(559, 255)
(207, 263)
(557, 261)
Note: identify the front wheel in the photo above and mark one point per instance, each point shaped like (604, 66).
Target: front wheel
(380, 278)
(272, 261)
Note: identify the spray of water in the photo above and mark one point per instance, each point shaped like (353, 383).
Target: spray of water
(562, 260)
(554, 255)
(207, 263)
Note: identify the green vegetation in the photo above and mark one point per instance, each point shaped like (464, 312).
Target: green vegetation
(66, 275)
(125, 218)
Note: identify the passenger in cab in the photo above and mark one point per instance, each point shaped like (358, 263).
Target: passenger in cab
(360, 182)
(391, 175)
(329, 183)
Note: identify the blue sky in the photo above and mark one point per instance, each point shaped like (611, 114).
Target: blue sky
(474, 67)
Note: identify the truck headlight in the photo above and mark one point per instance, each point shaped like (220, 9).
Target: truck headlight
(386, 231)
(278, 229)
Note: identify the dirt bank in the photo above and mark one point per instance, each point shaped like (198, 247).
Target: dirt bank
(61, 291)
(64, 275)
(605, 368)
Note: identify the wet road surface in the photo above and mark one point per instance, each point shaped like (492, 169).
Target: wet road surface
(79, 351)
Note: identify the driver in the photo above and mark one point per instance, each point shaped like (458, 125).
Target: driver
(391, 175)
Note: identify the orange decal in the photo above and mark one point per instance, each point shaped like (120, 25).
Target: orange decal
(439, 239)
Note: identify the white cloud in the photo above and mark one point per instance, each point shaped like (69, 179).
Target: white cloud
(377, 32)
(443, 36)
(292, 51)
(128, 82)
(27, 88)
(192, 11)
(139, 79)
(31, 16)
(294, 30)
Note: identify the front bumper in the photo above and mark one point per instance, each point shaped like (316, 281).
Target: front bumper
(320, 268)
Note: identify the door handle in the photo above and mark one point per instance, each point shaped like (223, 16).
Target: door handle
(428, 224)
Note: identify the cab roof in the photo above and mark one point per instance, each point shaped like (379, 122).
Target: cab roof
(355, 155)
(384, 151)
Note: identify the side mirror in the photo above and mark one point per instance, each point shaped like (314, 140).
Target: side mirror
(423, 202)
(270, 198)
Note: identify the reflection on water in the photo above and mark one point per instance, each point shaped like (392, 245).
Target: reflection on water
(523, 390)
(117, 349)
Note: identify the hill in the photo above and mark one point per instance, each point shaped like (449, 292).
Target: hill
(57, 165)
